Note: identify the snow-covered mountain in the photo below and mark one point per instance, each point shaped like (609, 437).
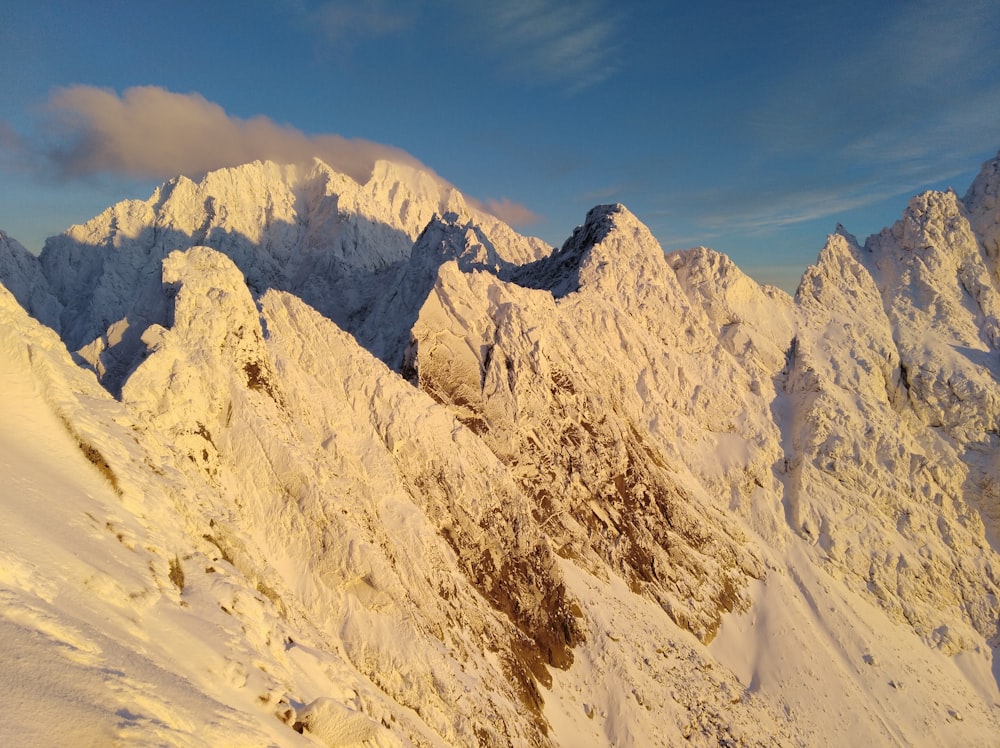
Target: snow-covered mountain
(311, 231)
(290, 459)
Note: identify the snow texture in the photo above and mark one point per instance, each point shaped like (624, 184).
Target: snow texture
(292, 460)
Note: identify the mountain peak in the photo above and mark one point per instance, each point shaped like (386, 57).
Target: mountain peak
(21, 273)
(732, 300)
(602, 221)
(213, 335)
(837, 271)
(982, 201)
(610, 237)
(932, 222)
(596, 463)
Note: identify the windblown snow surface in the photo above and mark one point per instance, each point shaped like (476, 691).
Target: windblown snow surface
(292, 460)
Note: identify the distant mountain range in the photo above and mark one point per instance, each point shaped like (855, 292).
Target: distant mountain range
(290, 459)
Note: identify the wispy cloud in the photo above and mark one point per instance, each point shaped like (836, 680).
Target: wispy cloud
(774, 211)
(893, 92)
(908, 102)
(14, 149)
(571, 44)
(508, 211)
(341, 21)
(602, 195)
(746, 210)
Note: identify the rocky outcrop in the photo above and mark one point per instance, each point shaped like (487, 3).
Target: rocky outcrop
(571, 417)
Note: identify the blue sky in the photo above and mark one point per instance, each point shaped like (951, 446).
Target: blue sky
(752, 128)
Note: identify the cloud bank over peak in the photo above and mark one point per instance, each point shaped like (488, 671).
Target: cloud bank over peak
(148, 132)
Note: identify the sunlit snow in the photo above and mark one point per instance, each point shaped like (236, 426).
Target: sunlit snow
(289, 460)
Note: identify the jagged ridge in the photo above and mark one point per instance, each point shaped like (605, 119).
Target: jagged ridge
(658, 428)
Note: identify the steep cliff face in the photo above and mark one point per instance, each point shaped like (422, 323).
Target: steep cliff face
(575, 394)
(369, 465)
(940, 291)
(883, 493)
(349, 545)
(982, 201)
(21, 274)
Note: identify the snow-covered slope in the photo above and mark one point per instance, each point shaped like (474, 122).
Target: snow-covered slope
(362, 464)
(103, 640)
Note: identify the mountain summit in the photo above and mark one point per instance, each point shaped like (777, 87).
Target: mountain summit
(307, 230)
(292, 459)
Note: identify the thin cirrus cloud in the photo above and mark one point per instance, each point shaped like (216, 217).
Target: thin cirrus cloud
(150, 133)
(341, 22)
(555, 42)
(745, 208)
(551, 42)
(775, 209)
(912, 106)
(910, 96)
(13, 149)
